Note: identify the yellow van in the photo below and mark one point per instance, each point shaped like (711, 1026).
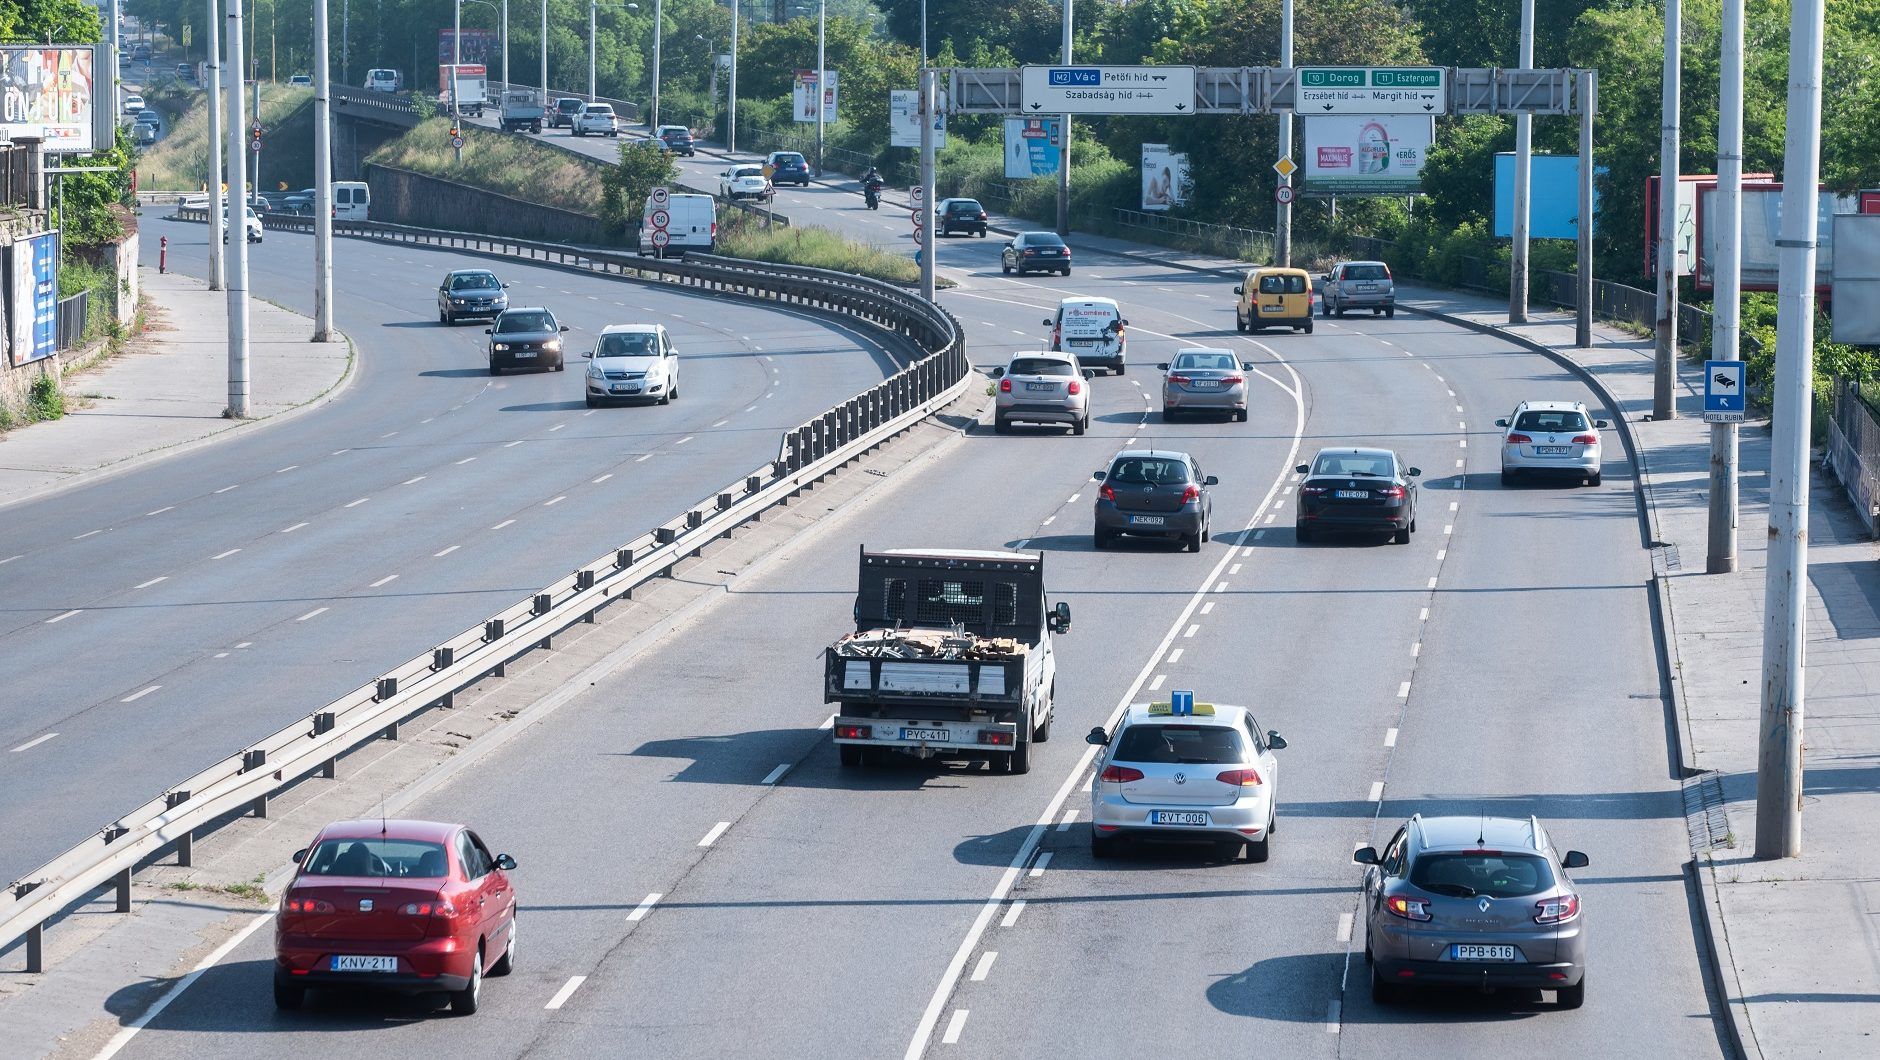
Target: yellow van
(1274, 297)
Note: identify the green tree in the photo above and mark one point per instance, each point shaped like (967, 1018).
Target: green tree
(643, 166)
(54, 21)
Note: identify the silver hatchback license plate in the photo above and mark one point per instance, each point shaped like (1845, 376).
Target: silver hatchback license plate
(931, 735)
(1552, 450)
(350, 963)
(1352, 495)
(1147, 520)
(1184, 817)
(1470, 952)
(1040, 386)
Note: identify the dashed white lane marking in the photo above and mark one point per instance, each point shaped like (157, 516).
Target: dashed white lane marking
(1390, 737)
(1235, 569)
(1458, 463)
(1377, 791)
(413, 480)
(1038, 867)
(1192, 629)
(446, 552)
(1074, 498)
(310, 614)
(550, 503)
(1258, 534)
(776, 774)
(1440, 379)
(9, 559)
(750, 408)
(1441, 553)
(646, 906)
(1452, 393)
(954, 1027)
(984, 966)
(1220, 587)
(1207, 608)
(603, 478)
(1070, 818)
(427, 419)
(1452, 506)
(388, 434)
(1011, 914)
(466, 460)
(225, 489)
(387, 580)
(87, 534)
(160, 511)
(721, 423)
(151, 582)
(1449, 528)
(336, 452)
(1403, 690)
(61, 618)
(1416, 649)
(1458, 408)
(32, 743)
(1423, 614)
(221, 655)
(712, 836)
(502, 524)
(684, 440)
(512, 445)
(643, 458)
(1272, 516)
(1175, 656)
(589, 412)
(139, 694)
(1344, 927)
(245, 644)
(1331, 1017)
(290, 467)
(1463, 443)
(1157, 682)
(567, 991)
(556, 427)
(358, 502)
(1432, 584)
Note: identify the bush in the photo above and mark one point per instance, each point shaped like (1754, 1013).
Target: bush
(624, 187)
(47, 401)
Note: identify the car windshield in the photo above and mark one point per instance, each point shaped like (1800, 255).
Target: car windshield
(1185, 744)
(1550, 421)
(1493, 873)
(514, 322)
(474, 281)
(1366, 272)
(1040, 366)
(1218, 362)
(1368, 465)
(1149, 471)
(628, 344)
(377, 856)
(1282, 284)
(1040, 239)
(790, 160)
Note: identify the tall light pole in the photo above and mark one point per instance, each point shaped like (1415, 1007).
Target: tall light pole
(1727, 284)
(456, 55)
(731, 93)
(1779, 751)
(1523, 163)
(711, 51)
(659, 25)
(545, 60)
(237, 285)
(216, 215)
(322, 178)
(1064, 142)
(1664, 403)
(822, 76)
(345, 41)
(117, 114)
(1282, 225)
(593, 9)
(505, 32)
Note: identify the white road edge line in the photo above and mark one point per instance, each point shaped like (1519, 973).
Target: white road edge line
(717, 830)
(776, 774)
(123, 1038)
(567, 991)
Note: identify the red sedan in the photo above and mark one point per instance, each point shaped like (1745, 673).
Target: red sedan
(407, 906)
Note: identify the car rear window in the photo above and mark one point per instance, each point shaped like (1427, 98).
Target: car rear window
(513, 322)
(1149, 471)
(628, 344)
(378, 856)
(476, 281)
(1041, 239)
(1336, 464)
(1188, 744)
(1282, 285)
(1493, 873)
(790, 160)
(1366, 272)
(1040, 366)
(964, 206)
(1208, 361)
(1550, 421)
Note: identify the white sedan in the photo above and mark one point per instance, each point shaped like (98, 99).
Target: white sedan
(250, 223)
(743, 182)
(597, 119)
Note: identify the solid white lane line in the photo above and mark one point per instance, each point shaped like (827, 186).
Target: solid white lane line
(1192, 629)
(712, 836)
(1157, 683)
(1390, 737)
(310, 614)
(466, 460)
(61, 618)
(293, 528)
(646, 906)
(1011, 913)
(151, 582)
(1377, 791)
(87, 534)
(954, 1027)
(1403, 690)
(554, 501)
(387, 580)
(446, 552)
(567, 991)
(411, 481)
(32, 743)
(776, 774)
(358, 502)
(123, 1037)
(139, 694)
(603, 478)
(1175, 656)
(160, 511)
(502, 524)
(984, 966)
(1038, 867)
(1344, 927)
(225, 489)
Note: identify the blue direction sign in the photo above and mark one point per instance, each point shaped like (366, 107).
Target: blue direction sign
(1723, 392)
(1181, 703)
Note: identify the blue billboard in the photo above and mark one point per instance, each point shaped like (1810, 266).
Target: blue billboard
(1553, 196)
(1031, 147)
(33, 297)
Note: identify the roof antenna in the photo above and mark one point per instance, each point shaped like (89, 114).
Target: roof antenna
(1481, 831)
(382, 797)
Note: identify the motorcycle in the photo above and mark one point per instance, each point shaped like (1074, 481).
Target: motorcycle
(871, 195)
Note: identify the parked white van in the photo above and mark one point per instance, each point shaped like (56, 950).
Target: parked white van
(691, 224)
(1092, 330)
(351, 200)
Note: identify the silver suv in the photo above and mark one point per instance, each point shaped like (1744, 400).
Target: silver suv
(1042, 388)
(1473, 901)
(1358, 285)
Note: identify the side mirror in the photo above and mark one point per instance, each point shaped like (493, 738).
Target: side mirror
(1098, 475)
(1365, 855)
(1163, 367)
(1097, 737)
(1415, 471)
(505, 287)
(1238, 289)
(1501, 423)
(1210, 481)
(1090, 373)
(998, 372)
(1601, 424)
(1575, 860)
(1246, 366)
(564, 327)
(1303, 468)
(505, 862)
(1046, 322)
(1061, 618)
(486, 331)
(300, 855)
(1275, 741)
(1122, 323)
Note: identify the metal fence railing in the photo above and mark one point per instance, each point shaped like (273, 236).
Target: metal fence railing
(1227, 240)
(1854, 450)
(938, 373)
(72, 317)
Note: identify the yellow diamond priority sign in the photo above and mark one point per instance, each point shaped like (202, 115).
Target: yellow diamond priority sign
(1285, 167)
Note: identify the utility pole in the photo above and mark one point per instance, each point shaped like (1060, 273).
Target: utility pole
(731, 93)
(1785, 612)
(117, 113)
(659, 26)
(593, 7)
(1725, 309)
(237, 285)
(456, 60)
(1282, 228)
(1588, 84)
(1523, 169)
(256, 143)
(1664, 377)
(929, 103)
(1064, 142)
(822, 77)
(322, 178)
(216, 216)
(544, 43)
(345, 42)
(499, 98)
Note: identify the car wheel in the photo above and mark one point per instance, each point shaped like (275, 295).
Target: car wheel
(1122, 368)
(1390, 313)
(1168, 415)
(1384, 992)
(1377, 312)
(559, 365)
(1043, 732)
(666, 398)
(1207, 532)
(850, 755)
(1302, 533)
(1507, 477)
(1401, 537)
(1308, 327)
(1081, 425)
(443, 318)
(1018, 763)
(1005, 269)
(1067, 272)
(1103, 538)
(1593, 479)
(1101, 847)
(287, 995)
(1325, 309)
(1193, 542)
(464, 1002)
(1572, 996)
(1259, 850)
(1001, 425)
(507, 962)
(591, 403)
(1240, 415)
(495, 370)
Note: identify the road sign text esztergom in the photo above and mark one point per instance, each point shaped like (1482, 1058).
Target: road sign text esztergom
(1371, 90)
(1108, 89)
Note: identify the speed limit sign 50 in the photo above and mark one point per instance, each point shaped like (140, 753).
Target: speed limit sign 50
(661, 218)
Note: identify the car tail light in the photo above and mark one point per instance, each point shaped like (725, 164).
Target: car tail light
(1076, 387)
(1408, 908)
(1107, 493)
(982, 215)
(1394, 492)
(1311, 491)
(1119, 774)
(1233, 380)
(1519, 439)
(306, 905)
(714, 229)
(1387, 272)
(1191, 494)
(854, 732)
(1240, 778)
(441, 907)
(1005, 386)
(1029, 251)
(1586, 439)
(1180, 379)
(1557, 910)
(995, 736)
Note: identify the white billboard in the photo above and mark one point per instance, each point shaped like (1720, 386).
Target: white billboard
(904, 119)
(1165, 180)
(50, 95)
(803, 96)
(1378, 154)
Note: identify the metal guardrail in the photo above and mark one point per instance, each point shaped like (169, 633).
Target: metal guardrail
(246, 779)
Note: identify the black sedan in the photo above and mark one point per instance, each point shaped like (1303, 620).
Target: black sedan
(525, 338)
(470, 293)
(1035, 252)
(1366, 490)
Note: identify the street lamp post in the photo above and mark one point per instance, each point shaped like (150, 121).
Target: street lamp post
(456, 55)
(711, 54)
(822, 73)
(731, 91)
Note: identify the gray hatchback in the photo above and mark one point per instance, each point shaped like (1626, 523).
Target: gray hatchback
(1358, 285)
(1484, 902)
(1153, 493)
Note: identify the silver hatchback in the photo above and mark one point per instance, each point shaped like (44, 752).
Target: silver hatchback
(1042, 388)
(1205, 379)
(1483, 902)
(1358, 285)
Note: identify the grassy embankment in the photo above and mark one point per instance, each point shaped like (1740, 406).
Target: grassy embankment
(743, 236)
(179, 161)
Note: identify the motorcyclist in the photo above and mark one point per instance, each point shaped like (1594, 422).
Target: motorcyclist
(871, 187)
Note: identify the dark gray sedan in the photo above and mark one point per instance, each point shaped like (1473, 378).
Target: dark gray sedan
(1153, 493)
(470, 293)
(525, 338)
(1205, 379)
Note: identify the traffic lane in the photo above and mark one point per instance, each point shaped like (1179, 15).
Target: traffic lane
(680, 781)
(1229, 950)
(250, 568)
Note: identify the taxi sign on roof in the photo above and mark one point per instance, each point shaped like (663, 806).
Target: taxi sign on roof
(1182, 704)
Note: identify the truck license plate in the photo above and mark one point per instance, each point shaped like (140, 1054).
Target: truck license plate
(929, 735)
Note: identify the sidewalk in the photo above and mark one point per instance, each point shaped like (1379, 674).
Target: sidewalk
(165, 393)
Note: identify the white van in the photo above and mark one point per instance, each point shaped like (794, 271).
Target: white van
(692, 224)
(351, 200)
(384, 80)
(1092, 330)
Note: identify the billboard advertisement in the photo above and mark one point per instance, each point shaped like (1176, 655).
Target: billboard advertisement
(904, 119)
(1165, 180)
(33, 297)
(1367, 154)
(479, 46)
(1553, 196)
(1031, 147)
(48, 96)
(1762, 226)
(803, 96)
